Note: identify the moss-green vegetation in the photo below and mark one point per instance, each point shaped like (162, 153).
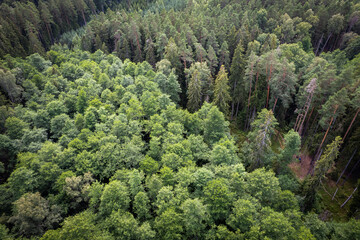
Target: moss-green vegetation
(179, 119)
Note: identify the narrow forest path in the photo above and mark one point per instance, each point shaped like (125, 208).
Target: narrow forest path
(301, 169)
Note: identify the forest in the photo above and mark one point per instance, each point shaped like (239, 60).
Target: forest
(179, 119)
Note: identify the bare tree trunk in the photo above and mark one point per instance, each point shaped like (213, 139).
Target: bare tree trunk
(274, 104)
(335, 43)
(351, 124)
(349, 198)
(346, 166)
(237, 109)
(334, 194)
(327, 40)
(302, 116)
(354, 167)
(48, 31)
(327, 131)
(251, 116)
(257, 77)
(232, 110)
(233, 101)
(317, 49)
(268, 86)
(83, 15)
(307, 122)
(296, 123)
(343, 172)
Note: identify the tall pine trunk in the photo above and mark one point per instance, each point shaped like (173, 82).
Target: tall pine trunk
(349, 197)
(233, 101)
(318, 46)
(274, 104)
(83, 15)
(327, 131)
(351, 124)
(327, 40)
(342, 173)
(352, 170)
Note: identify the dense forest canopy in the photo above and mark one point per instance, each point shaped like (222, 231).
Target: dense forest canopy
(176, 119)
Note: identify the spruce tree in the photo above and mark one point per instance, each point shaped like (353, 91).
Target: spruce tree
(327, 160)
(282, 84)
(221, 91)
(224, 54)
(172, 54)
(212, 59)
(237, 72)
(194, 92)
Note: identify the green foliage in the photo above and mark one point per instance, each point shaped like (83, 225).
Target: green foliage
(221, 91)
(244, 215)
(224, 152)
(142, 206)
(324, 164)
(260, 146)
(196, 217)
(81, 226)
(33, 215)
(218, 196)
(292, 147)
(169, 225)
(15, 127)
(275, 225)
(215, 126)
(123, 225)
(115, 197)
(106, 140)
(263, 185)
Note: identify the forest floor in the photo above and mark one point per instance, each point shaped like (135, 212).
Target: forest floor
(331, 208)
(301, 168)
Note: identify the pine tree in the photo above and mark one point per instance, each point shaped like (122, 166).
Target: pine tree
(172, 54)
(81, 7)
(282, 84)
(212, 60)
(35, 45)
(327, 159)
(250, 75)
(204, 75)
(124, 49)
(161, 42)
(136, 41)
(356, 105)
(224, 55)
(221, 91)
(185, 54)
(200, 52)
(302, 113)
(212, 42)
(194, 92)
(46, 18)
(334, 107)
(325, 163)
(335, 25)
(237, 71)
(263, 127)
(270, 63)
(150, 52)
